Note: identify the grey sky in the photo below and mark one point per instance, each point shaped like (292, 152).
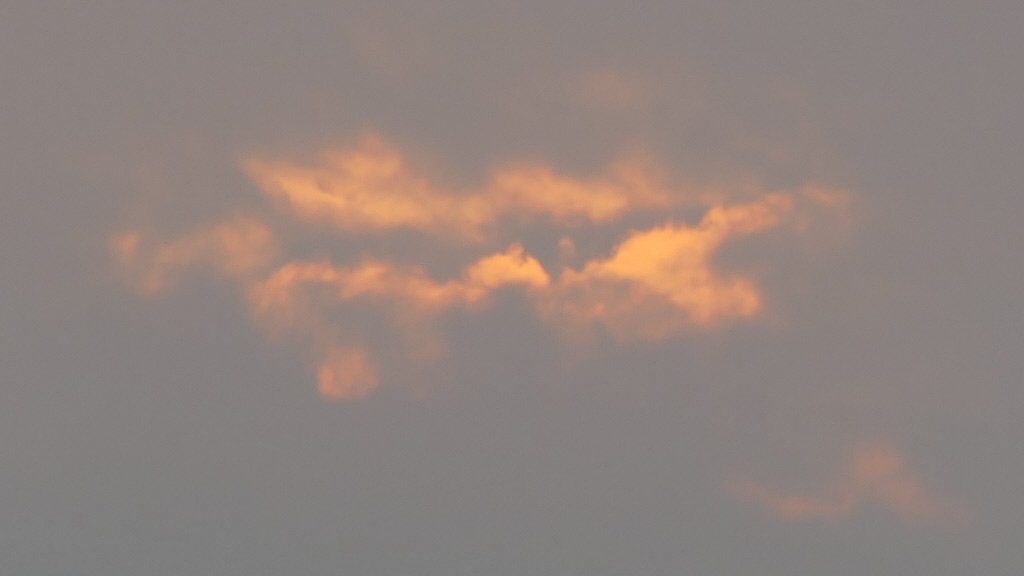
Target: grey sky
(174, 435)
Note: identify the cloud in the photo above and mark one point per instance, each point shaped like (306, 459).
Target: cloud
(346, 373)
(297, 296)
(659, 280)
(376, 280)
(876, 474)
(654, 283)
(371, 188)
(238, 247)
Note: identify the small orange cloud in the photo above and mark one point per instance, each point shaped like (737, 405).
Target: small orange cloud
(514, 266)
(238, 247)
(660, 280)
(874, 474)
(377, 280)
(347, 373)
(295, 299)
(371, 188)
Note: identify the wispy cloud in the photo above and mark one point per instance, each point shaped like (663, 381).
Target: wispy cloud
(238, 247)
(372, 188)
(659, 280)
(874, 474)
(654, 283)
(346, 373)
(296, 297)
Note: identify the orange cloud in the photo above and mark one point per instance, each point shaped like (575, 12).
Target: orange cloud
(238, 247)
(660, 280)
(874, 474)
(296, 296)
(347, 373)
(370, 188)
(382, 281)
(654, 283)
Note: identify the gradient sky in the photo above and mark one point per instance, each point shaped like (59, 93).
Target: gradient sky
(524, 288)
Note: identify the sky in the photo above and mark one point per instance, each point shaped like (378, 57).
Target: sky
(534, 288)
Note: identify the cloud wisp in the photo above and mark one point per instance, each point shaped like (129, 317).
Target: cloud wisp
(652, 284)
(660, 280)
(874, 474)
(297, 296)
(238, 247)
(372, 188)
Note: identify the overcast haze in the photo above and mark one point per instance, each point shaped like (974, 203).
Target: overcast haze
(523, 288)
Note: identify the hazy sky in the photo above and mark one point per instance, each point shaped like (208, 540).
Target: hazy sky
(522, 288)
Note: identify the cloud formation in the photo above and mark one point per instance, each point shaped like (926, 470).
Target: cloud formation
(382, 281)
(876, 474)
(296, 297)
(238, 247)
(372, 188)
(346, 372)
(659, 280)
(652, 284)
